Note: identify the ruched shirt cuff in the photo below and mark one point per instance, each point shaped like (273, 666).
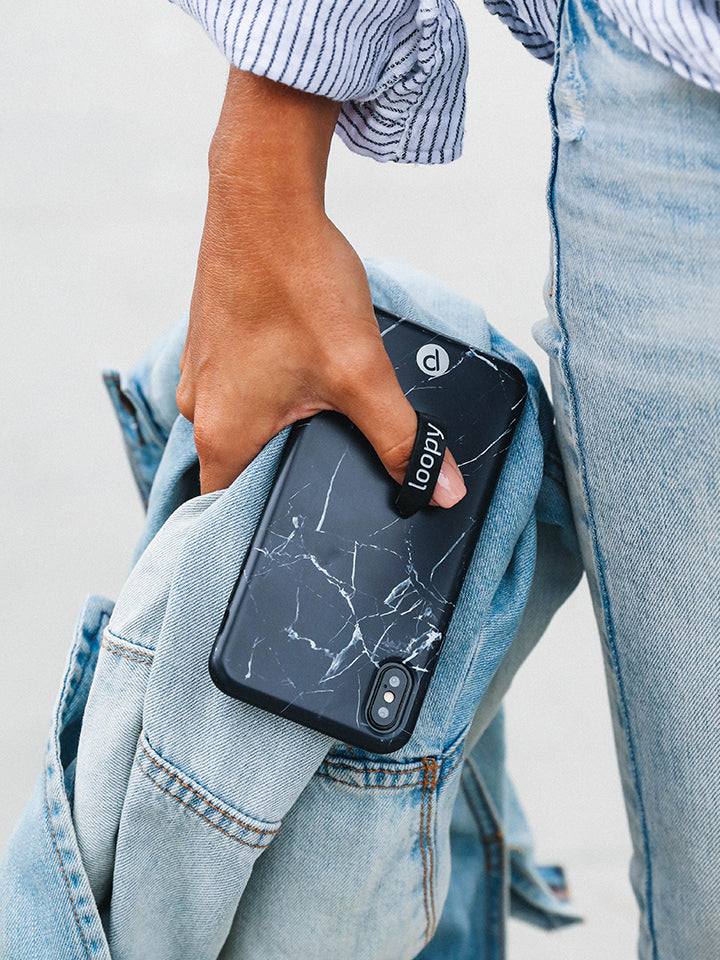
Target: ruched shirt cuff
(399, 67)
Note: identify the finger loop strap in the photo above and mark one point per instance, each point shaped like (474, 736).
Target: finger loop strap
(424, 466)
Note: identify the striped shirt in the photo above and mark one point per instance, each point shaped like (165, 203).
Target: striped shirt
(399, 66)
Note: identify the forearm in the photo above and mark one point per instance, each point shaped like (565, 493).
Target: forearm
(271, 144)
(267, 166)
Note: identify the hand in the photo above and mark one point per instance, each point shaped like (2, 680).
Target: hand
(281, 318)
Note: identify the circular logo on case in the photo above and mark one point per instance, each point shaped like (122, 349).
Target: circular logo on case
(433, 359)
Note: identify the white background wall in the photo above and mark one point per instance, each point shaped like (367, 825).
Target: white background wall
(107, 114)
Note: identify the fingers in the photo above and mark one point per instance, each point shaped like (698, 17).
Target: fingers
(225, 440)
(378, 407)
(221, 458)
(226, 447)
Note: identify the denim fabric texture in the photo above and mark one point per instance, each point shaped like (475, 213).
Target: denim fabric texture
(634, 345)
(159, 795)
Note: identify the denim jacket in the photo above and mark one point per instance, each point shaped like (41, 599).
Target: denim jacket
(143, 837)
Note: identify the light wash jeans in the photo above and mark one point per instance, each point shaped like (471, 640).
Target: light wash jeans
(633, 338)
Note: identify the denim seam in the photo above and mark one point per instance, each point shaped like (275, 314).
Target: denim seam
(163, 769)
(142, 410)
(428, 789)
(257, 846)
(147, 661)
(385, 786)
(395, 773)
(108, 637)
(112, 384)
(609, 626)
(553, 468)
(62, 868)
(368, 786)
(430, 825)
(493, 842)
(73, 677)
(424, 860)
(453, 767)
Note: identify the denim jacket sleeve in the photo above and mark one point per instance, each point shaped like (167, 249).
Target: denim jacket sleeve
(172, 820)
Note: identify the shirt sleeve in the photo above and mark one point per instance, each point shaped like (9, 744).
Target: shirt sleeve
(398, 66)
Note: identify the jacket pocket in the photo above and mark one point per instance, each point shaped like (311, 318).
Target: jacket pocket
(182, 860)
(361, 865)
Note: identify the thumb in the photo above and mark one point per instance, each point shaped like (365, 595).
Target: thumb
(385, 416)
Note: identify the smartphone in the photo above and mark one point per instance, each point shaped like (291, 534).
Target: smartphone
(338, 615)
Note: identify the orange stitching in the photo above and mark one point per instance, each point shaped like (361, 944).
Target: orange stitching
(128, 647)
(422, 851)
(431, 854)
(448, 772)
(145, 658)
(201, 797)
(367, 786)
(62, 867)
(394, 773)
(113, 641)
(431, 768)
(257, 846)
(335, 763)
(390, 786)
(109, 637)
(107, 634)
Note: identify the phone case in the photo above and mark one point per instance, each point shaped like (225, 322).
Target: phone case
(338, 615)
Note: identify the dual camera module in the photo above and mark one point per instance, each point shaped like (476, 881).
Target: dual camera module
(388, 696)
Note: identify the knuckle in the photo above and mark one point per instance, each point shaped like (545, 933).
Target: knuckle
(397, 456)
(209, 441)
(358, 372)
(184, 400)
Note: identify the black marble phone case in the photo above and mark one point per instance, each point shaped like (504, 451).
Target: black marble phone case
(335, 583)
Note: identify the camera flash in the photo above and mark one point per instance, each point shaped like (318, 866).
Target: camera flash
(388, 696)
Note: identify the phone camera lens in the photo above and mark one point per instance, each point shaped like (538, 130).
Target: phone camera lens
(389, 696)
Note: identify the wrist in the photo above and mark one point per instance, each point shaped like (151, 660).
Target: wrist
(271, 145)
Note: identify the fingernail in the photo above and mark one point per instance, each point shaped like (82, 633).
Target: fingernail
(450, 486)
